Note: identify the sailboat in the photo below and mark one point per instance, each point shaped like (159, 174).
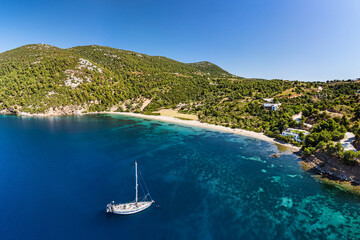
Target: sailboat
(132, 207)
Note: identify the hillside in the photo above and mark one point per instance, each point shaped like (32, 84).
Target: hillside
(40, 78)
(210, 68)
(37, 77)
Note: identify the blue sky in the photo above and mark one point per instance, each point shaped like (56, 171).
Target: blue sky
(287, 39)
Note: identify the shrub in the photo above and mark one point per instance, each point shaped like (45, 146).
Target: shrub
(308, 151)
(349, 157)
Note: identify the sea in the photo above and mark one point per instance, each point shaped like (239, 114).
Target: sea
(57, 174)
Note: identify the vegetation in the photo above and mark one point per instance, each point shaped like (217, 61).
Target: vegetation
(39, 78)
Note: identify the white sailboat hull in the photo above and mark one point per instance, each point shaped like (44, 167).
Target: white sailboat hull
(128, 208)
(133, 207)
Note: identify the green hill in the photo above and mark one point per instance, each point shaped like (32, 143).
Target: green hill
(37, 77)
(40, 78)
(210, 69)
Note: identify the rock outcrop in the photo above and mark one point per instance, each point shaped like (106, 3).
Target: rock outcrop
(332, 168)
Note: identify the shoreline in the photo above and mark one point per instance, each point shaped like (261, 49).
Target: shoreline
(304, 164)
(196, 123)
(193, 123)
(327, 178)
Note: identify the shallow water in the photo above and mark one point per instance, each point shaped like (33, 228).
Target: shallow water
(58, 174)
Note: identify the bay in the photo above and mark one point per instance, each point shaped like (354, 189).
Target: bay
(58, 174)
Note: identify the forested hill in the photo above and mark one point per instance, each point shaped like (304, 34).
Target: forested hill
(37, 77)
(40, 78)
(209, 68)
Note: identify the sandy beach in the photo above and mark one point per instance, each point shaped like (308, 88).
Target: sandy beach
(195, 123)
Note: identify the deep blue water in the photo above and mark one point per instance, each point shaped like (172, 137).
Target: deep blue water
(58, 174)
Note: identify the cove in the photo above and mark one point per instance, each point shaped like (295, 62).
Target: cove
(57, 175)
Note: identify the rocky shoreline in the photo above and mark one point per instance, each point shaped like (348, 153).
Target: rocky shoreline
(332, 171)
(52, 112)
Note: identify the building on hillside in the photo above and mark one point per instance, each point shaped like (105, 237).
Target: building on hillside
(294, 133)
(358, 91)
(272, 106)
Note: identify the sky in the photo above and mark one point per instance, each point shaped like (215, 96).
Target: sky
(306, 40)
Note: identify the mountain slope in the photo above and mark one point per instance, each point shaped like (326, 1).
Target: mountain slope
(117, 59)
(40, 78)
(210, 68)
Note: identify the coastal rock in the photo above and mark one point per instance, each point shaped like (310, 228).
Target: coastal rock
(58, 111)
(332, 168)
(67, 110)
(275, 155)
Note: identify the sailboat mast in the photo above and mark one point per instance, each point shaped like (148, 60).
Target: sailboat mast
(136, 183)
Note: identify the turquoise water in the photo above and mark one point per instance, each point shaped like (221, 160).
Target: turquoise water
(58, 174)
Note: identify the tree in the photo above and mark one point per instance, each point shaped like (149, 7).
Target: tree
(308, 151)
(357, 112)
(345, 121)
(336, 135)
(339, 149)
(331, 149)
(349, 157)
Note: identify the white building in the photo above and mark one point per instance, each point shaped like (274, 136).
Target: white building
(294, 133)
(272, 106)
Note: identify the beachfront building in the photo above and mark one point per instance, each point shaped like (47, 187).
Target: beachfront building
(294, 133)
(272, 106)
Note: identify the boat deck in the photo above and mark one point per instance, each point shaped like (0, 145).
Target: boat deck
(128, 208)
